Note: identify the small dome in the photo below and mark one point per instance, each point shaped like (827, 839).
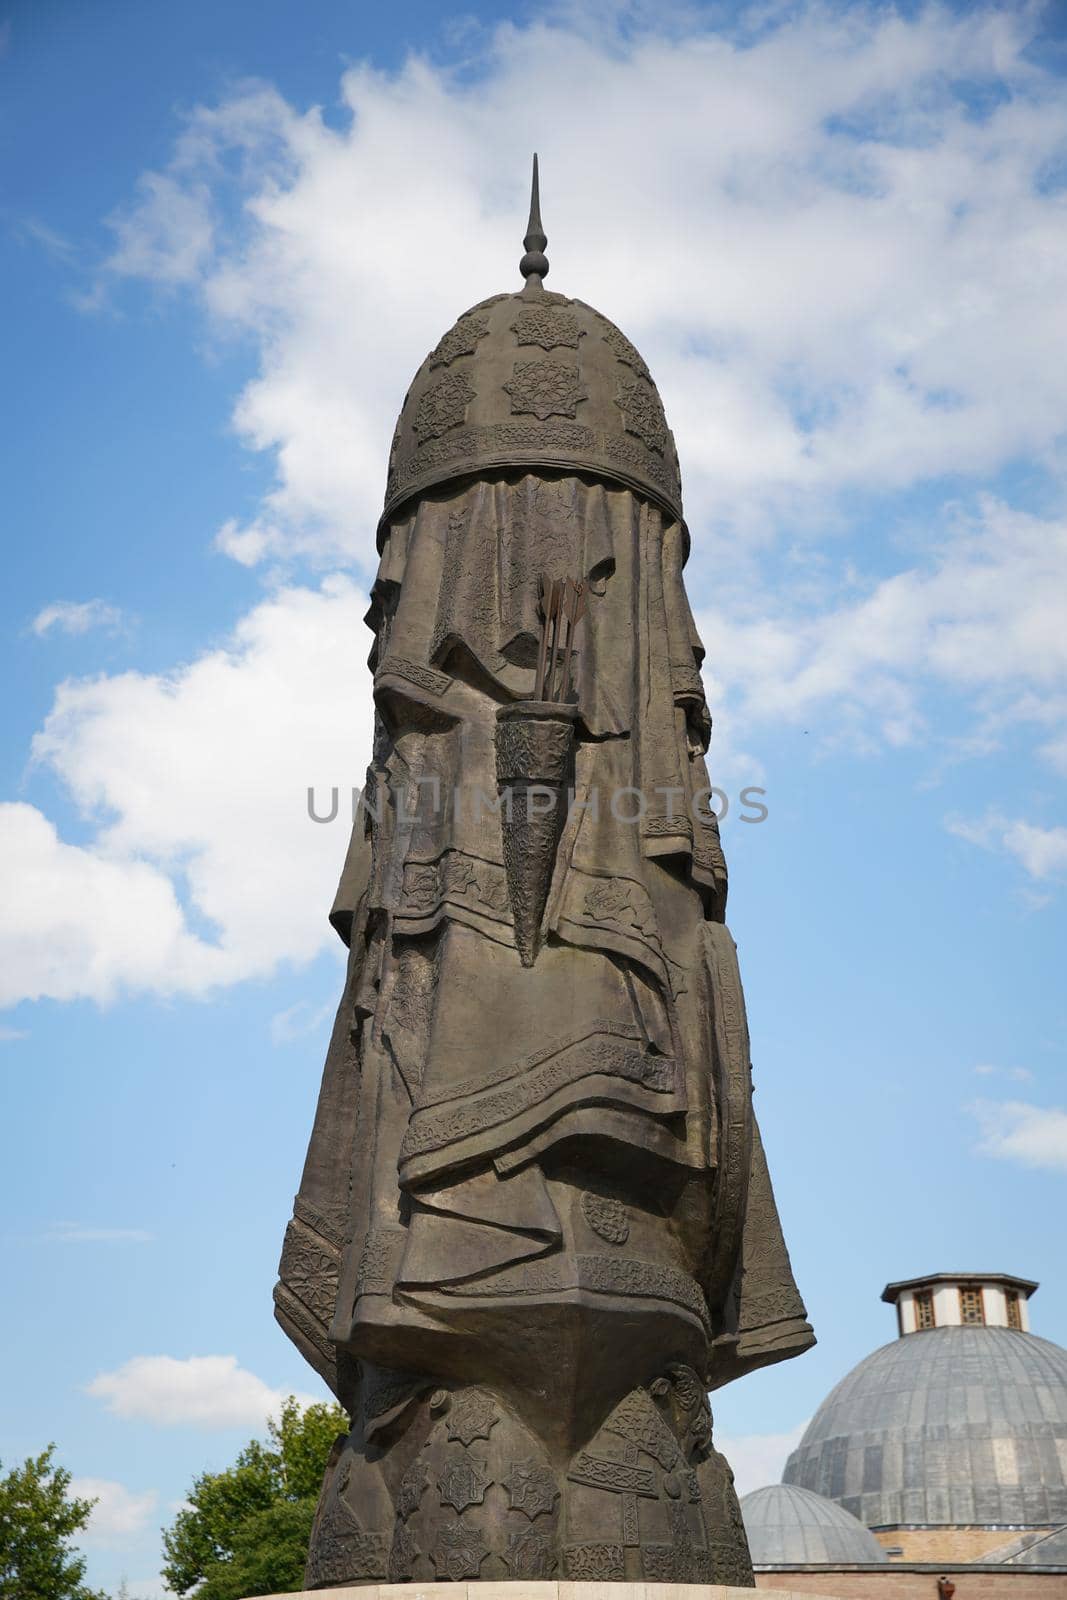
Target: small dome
(787, 1526)
(957, 1426)
(534, 380)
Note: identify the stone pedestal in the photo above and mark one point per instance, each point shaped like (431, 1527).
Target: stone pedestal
(537, 1591)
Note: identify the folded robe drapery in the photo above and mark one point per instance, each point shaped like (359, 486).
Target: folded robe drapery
(464, 1096)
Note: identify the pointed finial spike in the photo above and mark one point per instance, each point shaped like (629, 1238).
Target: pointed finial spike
(534, 264)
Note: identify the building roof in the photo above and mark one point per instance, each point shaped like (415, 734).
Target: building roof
(1025, 1286)
(954, 1426)
(787, 1526)
(1042, 1549)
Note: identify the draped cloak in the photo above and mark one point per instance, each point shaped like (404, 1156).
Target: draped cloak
(572, 1142)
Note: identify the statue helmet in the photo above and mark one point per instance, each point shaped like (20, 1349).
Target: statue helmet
(533, 380)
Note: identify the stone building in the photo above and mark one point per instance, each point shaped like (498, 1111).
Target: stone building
(945, 1449)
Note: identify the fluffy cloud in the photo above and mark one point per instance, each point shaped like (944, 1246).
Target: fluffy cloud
(835, 239)
(119, 1513)
(204, 867)
(1013, 1130)
(1042, 852)
(76, 616)
(979, 615)
(759, 1458)
(200, 1391)
(845, 269)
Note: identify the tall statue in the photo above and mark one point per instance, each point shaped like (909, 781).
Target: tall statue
(535, 1224)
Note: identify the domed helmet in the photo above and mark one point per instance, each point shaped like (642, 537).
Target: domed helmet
(533, 380)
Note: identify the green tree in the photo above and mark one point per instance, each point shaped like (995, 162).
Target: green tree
(245, 1531)
(38, 1521)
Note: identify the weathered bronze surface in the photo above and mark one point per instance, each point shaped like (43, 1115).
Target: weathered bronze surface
(535, 1223)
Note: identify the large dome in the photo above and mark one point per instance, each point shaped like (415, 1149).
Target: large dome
(953, 1425)
(787, 1526)
(533, 380)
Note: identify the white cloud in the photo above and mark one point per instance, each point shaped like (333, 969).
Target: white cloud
(78, 1233)
(76, 616)
(843, 277)
(1042, 852)
(980, 615)
(119, 1513)
(9, 1035)
(77, 922)
(204, 867)
(759, 1458)
(1013, 1130)
(838, 270)
(200, 1391)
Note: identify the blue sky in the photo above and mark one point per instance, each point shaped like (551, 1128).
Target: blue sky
(228, 236)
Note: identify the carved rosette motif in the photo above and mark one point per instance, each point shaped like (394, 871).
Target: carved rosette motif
(459, 1552)
(471, 1415)
(545, 389)
(310, 1268)
(642, 412)
(444, 406)
(549, 329)
(531, 1487)
(462, 340)
(463, 1482)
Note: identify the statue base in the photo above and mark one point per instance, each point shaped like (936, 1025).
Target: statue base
(539, 1590)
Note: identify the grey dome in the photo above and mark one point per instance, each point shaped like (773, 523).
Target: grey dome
(787, 1526)
(959, 1425)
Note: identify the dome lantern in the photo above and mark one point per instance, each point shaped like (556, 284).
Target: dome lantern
(961, 1299)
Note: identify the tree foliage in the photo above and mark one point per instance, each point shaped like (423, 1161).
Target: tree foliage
(245, 1531)
(38, 1521)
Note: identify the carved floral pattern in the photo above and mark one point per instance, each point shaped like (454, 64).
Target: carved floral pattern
(612, 900)
(412, 1487)
(462, 340)
(545, 388)
(444, 406)
(657, 1562)
(529, 1554)
(625, 351)
(403, 1555)
(642, 412)
(595, 1563)
(606, 1217)
(310, 1270)
(547, 328)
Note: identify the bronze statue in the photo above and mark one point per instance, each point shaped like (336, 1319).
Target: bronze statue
(535, 1224)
